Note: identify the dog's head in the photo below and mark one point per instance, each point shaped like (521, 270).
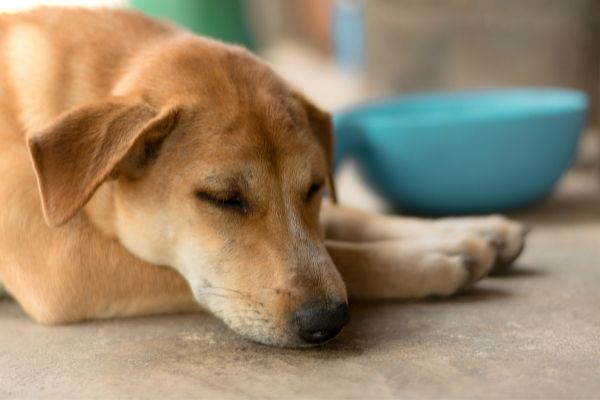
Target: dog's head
(206, 161)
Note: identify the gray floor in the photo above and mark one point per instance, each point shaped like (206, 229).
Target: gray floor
(532, 334)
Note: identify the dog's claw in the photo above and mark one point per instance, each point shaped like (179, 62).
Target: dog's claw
(469, 262)
(501, 266)
(497, 243)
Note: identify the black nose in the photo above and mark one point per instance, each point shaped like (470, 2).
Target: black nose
(319, 323)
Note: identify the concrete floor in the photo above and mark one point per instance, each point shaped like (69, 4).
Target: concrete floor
(534, 333)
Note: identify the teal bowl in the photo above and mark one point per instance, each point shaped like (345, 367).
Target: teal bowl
(463, 152)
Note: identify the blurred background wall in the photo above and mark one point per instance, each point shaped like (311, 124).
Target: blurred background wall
(434, 44)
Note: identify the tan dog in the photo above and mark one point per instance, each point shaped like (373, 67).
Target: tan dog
(175, 173)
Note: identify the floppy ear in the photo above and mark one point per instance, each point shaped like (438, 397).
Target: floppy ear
(322, 127)
(86, 146)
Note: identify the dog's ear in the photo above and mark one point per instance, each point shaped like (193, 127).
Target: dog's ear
(84, 147)
(322, 127)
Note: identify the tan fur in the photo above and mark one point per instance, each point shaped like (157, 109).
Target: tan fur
(120, 132)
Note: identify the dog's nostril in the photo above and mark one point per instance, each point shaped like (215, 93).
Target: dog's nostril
(317, 323)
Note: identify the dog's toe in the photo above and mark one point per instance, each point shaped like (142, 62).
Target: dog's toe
(503, 264)
(515, 235)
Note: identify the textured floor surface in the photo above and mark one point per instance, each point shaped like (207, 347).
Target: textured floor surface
(534, 333)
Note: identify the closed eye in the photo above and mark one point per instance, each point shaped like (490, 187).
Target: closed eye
(313, 190)
(233, 201)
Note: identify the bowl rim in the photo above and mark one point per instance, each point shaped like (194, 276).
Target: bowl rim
(563, 101)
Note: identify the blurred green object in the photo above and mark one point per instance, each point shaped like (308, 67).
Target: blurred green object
(220, 19)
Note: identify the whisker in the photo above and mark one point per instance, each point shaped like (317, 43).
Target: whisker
(207, 290)
(212, 294)
(254, 319)
(234, 294)
(230, 290)
(244, 293)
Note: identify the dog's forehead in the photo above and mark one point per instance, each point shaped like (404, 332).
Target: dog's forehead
(260, 97)
(253, 118)
(255, 137)
(249, 146)
(228, 86)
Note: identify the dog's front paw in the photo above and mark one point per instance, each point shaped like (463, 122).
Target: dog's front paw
(506, 236)
(457, 262)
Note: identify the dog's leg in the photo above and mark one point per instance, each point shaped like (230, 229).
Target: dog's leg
(119, 291)
(383, 256)
(413, 267)
(128, 287)
(346, 224)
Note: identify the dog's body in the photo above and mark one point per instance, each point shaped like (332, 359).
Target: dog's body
(152, 146)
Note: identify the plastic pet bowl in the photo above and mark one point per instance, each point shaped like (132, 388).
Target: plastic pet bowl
(463, 152)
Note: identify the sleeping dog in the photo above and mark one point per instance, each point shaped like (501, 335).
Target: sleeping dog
(147, 170)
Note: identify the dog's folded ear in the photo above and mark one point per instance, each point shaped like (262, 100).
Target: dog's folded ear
(84, 147)
(322, 127)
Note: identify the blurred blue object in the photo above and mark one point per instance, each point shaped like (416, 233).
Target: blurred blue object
(463, 152)
(348, 35)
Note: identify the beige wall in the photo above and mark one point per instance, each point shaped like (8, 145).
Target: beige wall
(446, 44)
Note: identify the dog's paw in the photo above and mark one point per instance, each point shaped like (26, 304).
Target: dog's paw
(456, 262)
(506, 236)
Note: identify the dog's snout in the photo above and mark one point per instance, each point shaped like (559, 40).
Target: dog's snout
(317, 323)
